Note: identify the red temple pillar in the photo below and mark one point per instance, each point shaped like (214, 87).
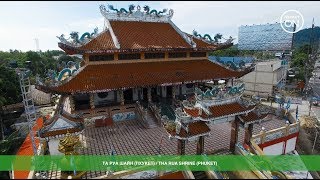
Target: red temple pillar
(200, 145)
(234, 133)
(181, 147)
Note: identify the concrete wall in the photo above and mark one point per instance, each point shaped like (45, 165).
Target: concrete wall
(264, 78)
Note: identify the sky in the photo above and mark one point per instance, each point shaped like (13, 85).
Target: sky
(23, 22)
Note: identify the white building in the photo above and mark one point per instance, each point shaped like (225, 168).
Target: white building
(267, 77)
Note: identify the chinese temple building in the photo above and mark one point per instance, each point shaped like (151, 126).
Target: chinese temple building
(142, 69)
(142, 66)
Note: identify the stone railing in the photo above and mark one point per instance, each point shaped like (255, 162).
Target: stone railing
(220, 97)
(221, 101)
(275, 133)
(156, 112)
(142, 114)
(105, 111)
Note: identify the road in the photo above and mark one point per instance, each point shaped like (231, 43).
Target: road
(315, 84)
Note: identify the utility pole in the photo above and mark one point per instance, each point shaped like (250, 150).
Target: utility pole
(307, 67)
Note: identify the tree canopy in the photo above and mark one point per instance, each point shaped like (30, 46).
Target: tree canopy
(38, 62)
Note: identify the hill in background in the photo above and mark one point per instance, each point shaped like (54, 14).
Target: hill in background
(303, 37)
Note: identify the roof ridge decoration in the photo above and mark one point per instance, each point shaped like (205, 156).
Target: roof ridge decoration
(104, 11)
(183, 35)
(207, 38)
(53, 78)
(74, 39)
(146, 15)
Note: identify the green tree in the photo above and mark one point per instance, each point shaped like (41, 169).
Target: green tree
(299, 58)
(9, 87)
(231, 51)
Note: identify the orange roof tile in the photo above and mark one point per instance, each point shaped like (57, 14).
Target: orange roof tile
(228, 109)
(195, 128)
(105, 77)
(137, 35)
(26, 148)
(192, 112)
(101, 42)
(252, 116)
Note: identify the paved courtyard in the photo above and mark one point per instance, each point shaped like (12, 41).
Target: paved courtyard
(131, 138)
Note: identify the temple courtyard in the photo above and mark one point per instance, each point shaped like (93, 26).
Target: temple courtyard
(132, 138)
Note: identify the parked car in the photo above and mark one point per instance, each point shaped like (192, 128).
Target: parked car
(315, 103)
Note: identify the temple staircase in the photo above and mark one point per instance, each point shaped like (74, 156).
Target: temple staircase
(151, 121)
(145, 116)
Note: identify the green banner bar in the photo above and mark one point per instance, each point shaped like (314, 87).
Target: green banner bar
(163, 162)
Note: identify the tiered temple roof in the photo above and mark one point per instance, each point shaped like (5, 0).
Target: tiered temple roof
(193, 129)
(107, 77)
(219, 110)
(61, 124)
(139, 31)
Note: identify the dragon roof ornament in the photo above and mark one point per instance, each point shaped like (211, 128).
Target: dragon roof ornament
(215, 40)
(76, 41)
(136, 14)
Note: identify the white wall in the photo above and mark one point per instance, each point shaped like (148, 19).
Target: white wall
(291, 144)
(110, 97)
(53, 147)
(275, 149)
(66, 105)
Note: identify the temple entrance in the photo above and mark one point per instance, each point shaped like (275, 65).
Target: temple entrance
(128, 96)
(169, 91)
(154, 94)
(145, 94)
(82, 102)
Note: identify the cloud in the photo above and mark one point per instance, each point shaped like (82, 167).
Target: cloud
(225, 17)
(46, 20)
